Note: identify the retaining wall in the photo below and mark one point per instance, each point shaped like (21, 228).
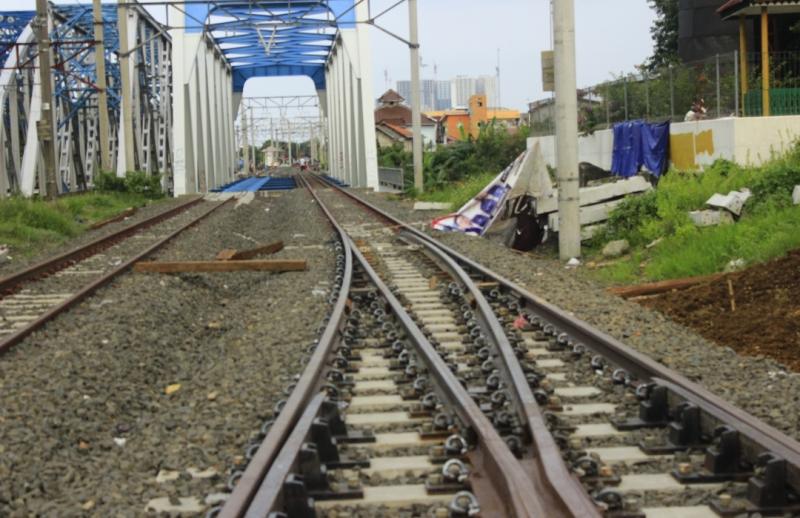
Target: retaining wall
(746, 141)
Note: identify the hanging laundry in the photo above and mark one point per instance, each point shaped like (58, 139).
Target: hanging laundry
(655, 147)
(637, 144)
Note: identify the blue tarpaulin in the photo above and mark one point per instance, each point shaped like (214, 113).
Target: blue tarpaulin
(637, 144)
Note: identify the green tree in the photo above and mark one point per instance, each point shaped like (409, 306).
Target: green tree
(665, 33)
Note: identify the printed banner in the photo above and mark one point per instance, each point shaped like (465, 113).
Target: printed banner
(478, 214)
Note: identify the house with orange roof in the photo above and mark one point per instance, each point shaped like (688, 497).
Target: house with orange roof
(458, 123)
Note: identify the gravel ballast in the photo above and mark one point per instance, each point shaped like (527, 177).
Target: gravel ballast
(761, 386)
(152, 388)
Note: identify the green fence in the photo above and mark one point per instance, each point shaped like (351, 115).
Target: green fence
(782, 101)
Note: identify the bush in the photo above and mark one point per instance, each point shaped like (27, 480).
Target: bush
(147, 185)
(766, 229)
(135, 182)
(109, 182)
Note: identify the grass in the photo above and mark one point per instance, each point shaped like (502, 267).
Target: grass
(459, 193)
(767, 229)
(30, 225)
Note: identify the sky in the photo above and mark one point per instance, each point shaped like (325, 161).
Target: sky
(462, 37)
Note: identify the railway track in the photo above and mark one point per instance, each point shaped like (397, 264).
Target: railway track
(594, 427)
(33, 296)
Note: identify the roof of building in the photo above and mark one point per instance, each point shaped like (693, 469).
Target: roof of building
(398, 114)
(439, 114)
(502, 113)
(390, 96)
(394, 131)
(753, 7)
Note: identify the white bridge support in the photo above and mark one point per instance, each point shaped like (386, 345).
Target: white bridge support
(203, 111)
(349, 106)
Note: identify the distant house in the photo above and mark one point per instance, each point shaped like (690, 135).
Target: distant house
(392, 114)
(454, 124)
(389, 134)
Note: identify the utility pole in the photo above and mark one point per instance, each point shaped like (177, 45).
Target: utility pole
(44, 126)
(569, 227)
(102, 95)
(416, 116)
(126, 88)
(245, 142)
(252, 145)
(289, 140)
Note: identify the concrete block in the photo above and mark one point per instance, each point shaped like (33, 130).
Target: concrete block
(616, 248)
(710, 218)
(733, 202)
(796, 195)
(597, 194)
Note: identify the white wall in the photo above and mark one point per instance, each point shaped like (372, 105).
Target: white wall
(596, 149)
(747, 141)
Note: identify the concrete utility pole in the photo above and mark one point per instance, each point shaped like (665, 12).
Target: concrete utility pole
(416, 116)
(102, 95)
(126, 88)
(44, 126)
(245, 141)
(569, 227)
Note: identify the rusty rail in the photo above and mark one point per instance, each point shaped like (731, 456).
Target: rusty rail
(11, 282)
(20, 278)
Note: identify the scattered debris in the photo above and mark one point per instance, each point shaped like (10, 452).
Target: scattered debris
(184, 505)
(616, 248)
(171, 389)
(202, 473)
(120, 441)
(574, 262)
(733, 202)
(431, 205)
(230, 254)
(710, 218)
(653, 288)
(220, 266)
(735, 265)
(212, 396)
(796, 195)
(214, 325)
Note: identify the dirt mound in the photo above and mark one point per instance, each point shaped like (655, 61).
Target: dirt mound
(762, 317)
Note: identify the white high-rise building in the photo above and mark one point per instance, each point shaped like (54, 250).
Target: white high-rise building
(434, 95)
(464, 87)
(461, 89)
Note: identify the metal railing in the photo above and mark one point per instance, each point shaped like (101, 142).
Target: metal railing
(391, 178)
(726, 87)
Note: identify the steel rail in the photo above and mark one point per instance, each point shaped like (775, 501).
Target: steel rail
(11, 282)
(90, 288)
(556, 486)
(760, 437)
(510, 489)
(505, 472)
(549, 474)
(244, 495)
